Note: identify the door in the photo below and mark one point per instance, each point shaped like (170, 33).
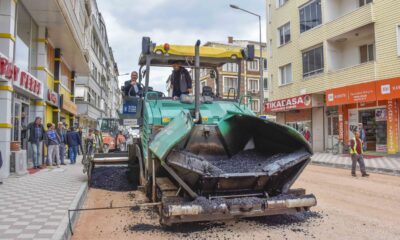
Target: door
(333, 131)
(24, 125)
(16, 135)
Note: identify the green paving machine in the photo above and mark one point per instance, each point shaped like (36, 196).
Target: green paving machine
(207, 156)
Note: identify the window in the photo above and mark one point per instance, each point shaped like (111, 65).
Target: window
(253, 85)
(313, 61)
(230, 67)
(398, 40)
(253, 65)
(255, 105)
(286, 74)
(270, 48)
(284, 34)
(280, 3)
(26, 45)
(310, 16)
(364, 2)
(230, 82)
(265, 83)
(367, 53)
(265, 63)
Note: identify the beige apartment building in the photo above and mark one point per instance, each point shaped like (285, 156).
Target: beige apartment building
(334, 64)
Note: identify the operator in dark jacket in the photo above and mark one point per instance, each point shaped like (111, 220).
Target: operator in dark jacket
(132, 87)
(73, 141)
(180, 80)
(36, 136)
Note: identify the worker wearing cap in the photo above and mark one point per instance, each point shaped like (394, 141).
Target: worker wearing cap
(356, 151)
(180, 80)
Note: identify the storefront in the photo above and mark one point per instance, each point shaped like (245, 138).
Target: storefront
(375, 106)
(52, 106)
(301, 112)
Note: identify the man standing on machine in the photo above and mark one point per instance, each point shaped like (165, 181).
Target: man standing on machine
(180, 80)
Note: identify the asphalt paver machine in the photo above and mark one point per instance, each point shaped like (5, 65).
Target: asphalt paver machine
(206, 157)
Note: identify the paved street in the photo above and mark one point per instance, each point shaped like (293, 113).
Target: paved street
(348, 208)
(382, 164)
(35, 206)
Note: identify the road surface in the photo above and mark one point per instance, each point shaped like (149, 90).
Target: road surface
(348, 208)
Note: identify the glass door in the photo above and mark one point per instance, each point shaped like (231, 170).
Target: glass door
(24, 125)
(17, 122)
(333, 131)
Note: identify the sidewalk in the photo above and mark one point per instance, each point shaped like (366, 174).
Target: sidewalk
(35, 206)
(388, 165)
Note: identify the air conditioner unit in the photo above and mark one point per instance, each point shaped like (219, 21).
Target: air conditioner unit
(18, 163)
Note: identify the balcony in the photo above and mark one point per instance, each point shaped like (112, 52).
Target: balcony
(354, 17)
(345, 50)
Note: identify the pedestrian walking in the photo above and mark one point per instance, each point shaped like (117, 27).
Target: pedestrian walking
(356, 151)
(36, 135)
(307, 134)
(63, 136)
(73, 142)
(90, 142)
(52, 141)
(80, 148)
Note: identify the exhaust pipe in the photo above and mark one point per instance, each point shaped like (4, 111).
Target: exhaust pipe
(197, 82)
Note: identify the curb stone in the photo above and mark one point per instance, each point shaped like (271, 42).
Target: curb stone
(63, 231)
(370, 169)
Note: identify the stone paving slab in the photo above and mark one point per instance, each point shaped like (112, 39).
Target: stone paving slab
(384, 164)
(35, 206)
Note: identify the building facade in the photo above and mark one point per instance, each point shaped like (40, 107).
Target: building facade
(228, 75)
(333, 65)
(98, 94)
(43, 53)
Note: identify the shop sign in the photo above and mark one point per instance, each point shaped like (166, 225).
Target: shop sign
(352, 122)
(362, 93)
(337, 96)
(392, 127)
(52, 98)
(21, 79)
(68, 105)
(299, 102)
(388, 89)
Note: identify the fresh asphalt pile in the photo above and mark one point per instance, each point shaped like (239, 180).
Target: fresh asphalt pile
(112, 178)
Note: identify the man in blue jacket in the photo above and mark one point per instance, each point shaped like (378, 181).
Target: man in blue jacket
(73, 142)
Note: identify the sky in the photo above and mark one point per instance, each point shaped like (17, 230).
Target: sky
(174, 22)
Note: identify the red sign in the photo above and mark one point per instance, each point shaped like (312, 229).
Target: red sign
(299, 102)
(365, 92)
(337, 96)
(21, 79)
(388, 89)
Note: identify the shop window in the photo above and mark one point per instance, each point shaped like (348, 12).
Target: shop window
(284, 34)
(367, 53)
(310, 16)
(65, 76)
(253, 85)
(230, 82)
(364, 2)
(285, 73)
(313, 61)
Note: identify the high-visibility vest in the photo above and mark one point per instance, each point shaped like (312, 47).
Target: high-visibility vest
(353, 150)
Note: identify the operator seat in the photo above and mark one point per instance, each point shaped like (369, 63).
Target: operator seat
(207, 91)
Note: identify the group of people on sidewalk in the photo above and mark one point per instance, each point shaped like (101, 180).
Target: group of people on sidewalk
(56, 140)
